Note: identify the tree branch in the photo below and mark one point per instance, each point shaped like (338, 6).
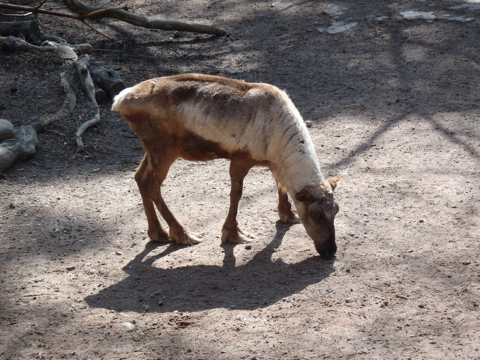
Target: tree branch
(98, 12)
(149, 22)
(36, 11)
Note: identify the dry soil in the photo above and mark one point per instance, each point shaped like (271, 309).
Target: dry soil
(394, 104)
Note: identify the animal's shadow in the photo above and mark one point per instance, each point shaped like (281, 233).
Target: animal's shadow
(256, 284)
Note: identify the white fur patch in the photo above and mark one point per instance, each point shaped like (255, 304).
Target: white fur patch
(117, 101)
(292, 151)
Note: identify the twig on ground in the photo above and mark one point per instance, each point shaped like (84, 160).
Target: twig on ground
(67, 106)
(89, 87)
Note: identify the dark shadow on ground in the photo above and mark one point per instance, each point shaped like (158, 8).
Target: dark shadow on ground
(196, 288)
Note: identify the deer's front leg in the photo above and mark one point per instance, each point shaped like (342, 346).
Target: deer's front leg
(285, 211)
(231, 233)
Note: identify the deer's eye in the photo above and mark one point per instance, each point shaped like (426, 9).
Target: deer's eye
(317, 215)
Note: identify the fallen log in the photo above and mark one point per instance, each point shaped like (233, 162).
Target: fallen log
(29, 29)
(12, 43)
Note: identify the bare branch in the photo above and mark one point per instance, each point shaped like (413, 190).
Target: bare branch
(151, 22)
(17, 15)
(67, 107)
(35, 11)
(95, 12)
(41, 4)
(99, 12)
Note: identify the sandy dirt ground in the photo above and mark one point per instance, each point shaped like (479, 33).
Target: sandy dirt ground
(394, 102)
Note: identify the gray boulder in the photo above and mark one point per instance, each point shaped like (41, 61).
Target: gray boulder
(22, 146)
(6, 130)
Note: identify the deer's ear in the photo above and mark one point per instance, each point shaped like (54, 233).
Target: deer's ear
(303, 196)
(333, 182)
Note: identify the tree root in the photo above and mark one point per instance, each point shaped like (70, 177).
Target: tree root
(89, 87)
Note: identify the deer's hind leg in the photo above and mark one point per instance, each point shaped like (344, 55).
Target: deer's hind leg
(164, 158)
(145, 179)
(154, 175)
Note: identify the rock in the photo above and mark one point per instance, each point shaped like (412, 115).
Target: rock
(128, 326)
(108, 80)
(7, 155)
(64, 52)
(349, 300)
(6, 129)
(27, 137)
(308, 123)
(248, 247)
(70, 268)
(22, 146)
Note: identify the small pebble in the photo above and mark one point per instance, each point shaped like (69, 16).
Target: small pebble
(248, 247)
(70, 268)
(308, 123)
(128, 326)
(349, 300)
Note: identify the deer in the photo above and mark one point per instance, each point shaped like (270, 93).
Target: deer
(204, 117)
